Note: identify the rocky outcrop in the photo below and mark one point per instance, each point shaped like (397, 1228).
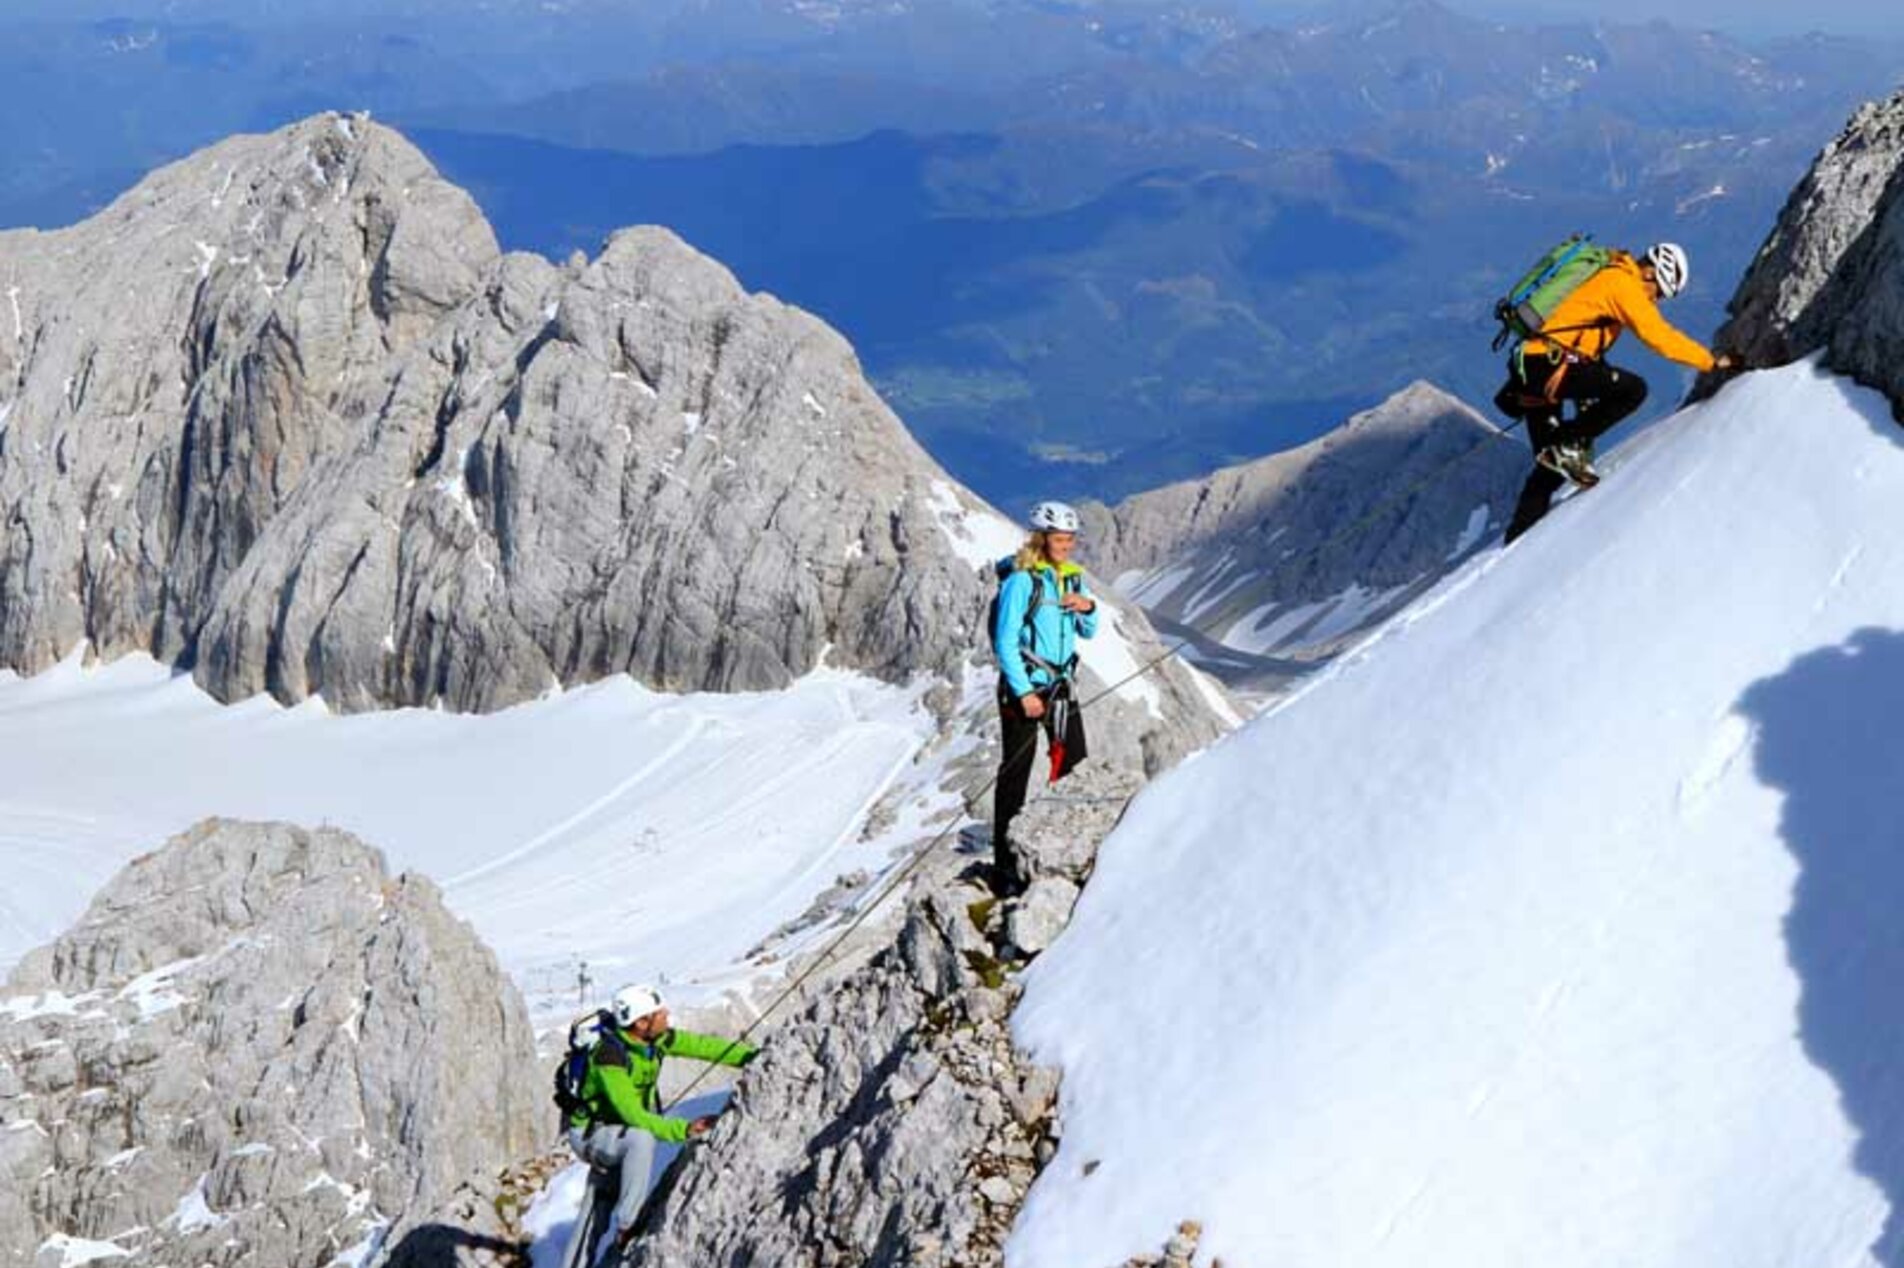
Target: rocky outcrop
(1291, 554)
(890, 1121)
(1831, 275)
(484, 1223)
(256, 1048)
(286, 414)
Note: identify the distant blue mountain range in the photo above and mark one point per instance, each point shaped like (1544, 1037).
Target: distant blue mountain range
(1140, 244)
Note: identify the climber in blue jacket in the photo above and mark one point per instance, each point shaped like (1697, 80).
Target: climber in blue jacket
(1043, 608)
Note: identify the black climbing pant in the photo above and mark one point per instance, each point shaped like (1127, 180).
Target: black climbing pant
(1602, 395)
(1018, 754)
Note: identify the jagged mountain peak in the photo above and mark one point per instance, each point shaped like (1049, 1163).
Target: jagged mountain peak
(255, 1047)
(1406, 407)
(285, 415)
(264, 206)
(263, 377)
(1239, 490)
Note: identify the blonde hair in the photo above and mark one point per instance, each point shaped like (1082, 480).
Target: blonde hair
(1031, 556)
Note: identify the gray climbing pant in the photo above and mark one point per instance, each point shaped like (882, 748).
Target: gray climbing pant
(628, 1151)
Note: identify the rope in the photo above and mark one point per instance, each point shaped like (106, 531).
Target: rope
(865, 912)
(918, 860)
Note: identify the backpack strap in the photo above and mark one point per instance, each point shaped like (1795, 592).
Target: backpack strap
(1067, 583)
(610, 1051)
(1030, 657)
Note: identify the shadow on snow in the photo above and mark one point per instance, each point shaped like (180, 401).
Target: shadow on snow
(1830, 737)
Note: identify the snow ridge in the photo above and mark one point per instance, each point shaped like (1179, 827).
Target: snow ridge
(1555, 924)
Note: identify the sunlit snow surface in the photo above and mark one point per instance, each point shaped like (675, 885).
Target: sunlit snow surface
(1560, 924)
(645, 835)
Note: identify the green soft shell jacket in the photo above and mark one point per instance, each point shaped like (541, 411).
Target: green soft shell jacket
(623, 1073)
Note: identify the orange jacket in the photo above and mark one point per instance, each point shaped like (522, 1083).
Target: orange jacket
(1612, 300)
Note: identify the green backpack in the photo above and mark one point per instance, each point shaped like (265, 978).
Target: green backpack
(1541, 289)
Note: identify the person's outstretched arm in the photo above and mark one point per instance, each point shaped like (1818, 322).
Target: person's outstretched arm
(1639, 314)
(699, 1047)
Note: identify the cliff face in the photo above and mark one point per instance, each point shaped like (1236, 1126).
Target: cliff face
(1831, 275)
(285, 414)
(256, 1048)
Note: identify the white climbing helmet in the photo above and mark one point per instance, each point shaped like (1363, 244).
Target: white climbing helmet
(1054, 517)
(634, 1002)
(1671, 269)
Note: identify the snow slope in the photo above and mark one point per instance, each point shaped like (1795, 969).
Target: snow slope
(1562, 923)
(641, 834)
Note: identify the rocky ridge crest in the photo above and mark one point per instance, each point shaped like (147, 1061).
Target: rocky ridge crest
(257, 1047)
(1831, 274)
(891, 1120)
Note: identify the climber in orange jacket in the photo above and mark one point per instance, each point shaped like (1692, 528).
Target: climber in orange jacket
(1566, 362)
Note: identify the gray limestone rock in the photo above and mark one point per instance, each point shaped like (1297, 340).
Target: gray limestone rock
(387, 463)
(256, 1048)
(890, 1120)
(851, 1136)
(1040, 915)
(1831, 275)
(1046, 833)
(1291, 555)
(286, 415)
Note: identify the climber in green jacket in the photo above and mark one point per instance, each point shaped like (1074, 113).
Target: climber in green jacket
(620, 1119)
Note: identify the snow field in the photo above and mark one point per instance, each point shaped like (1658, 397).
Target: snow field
(1556, 924)
(637, 834)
